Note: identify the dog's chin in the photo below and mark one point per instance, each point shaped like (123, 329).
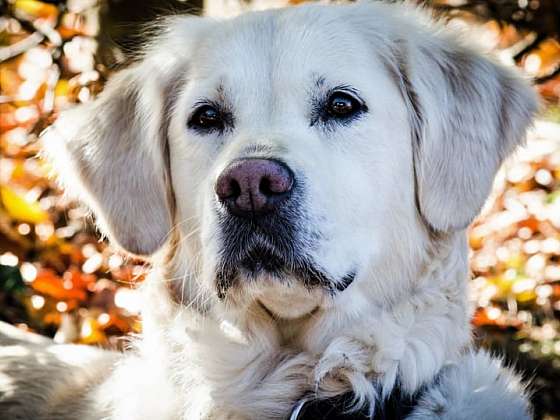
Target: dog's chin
(288, 301)
(287, 283)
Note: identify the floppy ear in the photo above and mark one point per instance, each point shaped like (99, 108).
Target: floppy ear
(469, 113)
(112, 153)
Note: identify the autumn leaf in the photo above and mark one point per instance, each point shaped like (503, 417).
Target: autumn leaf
(21, 209)
(50, 284)
(33, 9)
(91, 333)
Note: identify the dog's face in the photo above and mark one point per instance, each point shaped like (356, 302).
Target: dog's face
(286, 160)
(297, 159)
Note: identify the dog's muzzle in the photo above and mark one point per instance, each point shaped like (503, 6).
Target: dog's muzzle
(261, 219)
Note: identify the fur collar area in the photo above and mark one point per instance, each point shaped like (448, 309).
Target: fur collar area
(477, 386)
(397, 406)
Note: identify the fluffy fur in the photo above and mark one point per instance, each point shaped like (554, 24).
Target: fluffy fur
(386, 196)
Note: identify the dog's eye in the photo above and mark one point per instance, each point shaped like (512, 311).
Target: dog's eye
(342, 105)
(207, 118)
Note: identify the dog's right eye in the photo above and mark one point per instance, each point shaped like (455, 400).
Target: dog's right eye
(207, 118)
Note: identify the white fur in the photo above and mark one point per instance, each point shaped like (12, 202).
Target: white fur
(388, 196)
(476, 386)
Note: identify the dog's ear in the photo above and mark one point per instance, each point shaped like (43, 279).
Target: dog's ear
(468, 113)
(112, 153)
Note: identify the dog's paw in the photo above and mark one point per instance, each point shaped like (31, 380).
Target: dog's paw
(346, 365)
(266, 388)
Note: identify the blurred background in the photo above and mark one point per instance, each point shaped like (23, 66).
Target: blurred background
(57, 278)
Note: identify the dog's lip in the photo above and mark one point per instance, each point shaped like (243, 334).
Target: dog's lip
(275, 315)
(346, 281)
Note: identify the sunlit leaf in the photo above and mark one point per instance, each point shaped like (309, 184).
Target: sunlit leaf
(91, 333)
(36, 9)
(21, 209)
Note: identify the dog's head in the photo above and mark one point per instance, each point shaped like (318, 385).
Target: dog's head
(294, 157)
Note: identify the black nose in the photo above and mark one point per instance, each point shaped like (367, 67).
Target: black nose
(252, 187)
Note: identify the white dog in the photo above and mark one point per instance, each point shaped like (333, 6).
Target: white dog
(302, 180)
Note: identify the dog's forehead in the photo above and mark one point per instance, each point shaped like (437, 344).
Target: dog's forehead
(285, 49)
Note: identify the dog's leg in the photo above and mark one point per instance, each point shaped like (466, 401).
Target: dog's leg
(477, 386)
(46, 381)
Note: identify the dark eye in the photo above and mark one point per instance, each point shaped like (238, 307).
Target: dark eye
(342, 105)
(207, 118)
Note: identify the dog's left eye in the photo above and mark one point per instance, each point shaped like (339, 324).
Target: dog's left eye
(342, 105)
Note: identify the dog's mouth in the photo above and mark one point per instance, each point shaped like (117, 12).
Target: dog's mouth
(262, 259)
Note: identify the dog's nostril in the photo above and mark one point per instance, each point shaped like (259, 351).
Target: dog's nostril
(227, 188)
(234, 189)
(264, 186)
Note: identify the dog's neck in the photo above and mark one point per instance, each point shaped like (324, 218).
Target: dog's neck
(406, 340)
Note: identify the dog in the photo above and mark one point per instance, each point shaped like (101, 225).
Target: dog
(301, 180)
